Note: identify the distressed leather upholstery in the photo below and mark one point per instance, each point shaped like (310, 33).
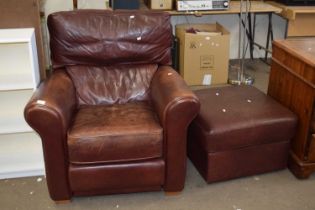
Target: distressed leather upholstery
(239, 132)
(132, 129)
(113, 115)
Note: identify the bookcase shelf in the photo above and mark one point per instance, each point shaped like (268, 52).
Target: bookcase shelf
(20, 147)
(19, 62)
(12, 106)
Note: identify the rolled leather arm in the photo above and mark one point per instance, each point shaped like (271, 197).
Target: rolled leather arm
(49, 113)
(176, 106)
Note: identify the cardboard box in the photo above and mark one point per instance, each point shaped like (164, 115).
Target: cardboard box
(204, 55)
(160, 4)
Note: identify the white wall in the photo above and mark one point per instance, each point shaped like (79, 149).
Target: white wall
(50, 6)
(230, 22)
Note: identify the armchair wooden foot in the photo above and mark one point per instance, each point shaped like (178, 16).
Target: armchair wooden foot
(62, 202)
(173, 193)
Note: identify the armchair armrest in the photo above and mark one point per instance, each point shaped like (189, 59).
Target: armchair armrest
(176, 106)
(49, 113)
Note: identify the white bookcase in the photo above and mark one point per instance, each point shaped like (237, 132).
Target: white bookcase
(20, 147)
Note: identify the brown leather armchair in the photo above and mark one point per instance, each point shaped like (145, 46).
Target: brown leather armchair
(113, 115)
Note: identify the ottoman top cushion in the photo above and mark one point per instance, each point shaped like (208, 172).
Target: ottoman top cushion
(239, 116)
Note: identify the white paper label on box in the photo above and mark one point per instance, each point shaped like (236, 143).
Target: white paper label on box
(207, 79)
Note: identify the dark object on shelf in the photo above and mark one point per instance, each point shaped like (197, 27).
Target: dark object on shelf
(202, 5)
(75, 4)
(124, 4)
(292, 84)
(175, 54)
(297, 2)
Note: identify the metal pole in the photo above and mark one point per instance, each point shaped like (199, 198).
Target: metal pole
(239, 76)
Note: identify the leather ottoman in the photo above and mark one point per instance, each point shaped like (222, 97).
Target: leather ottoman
(239, 132)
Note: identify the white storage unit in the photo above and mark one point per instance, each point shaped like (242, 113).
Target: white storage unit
(20, 147)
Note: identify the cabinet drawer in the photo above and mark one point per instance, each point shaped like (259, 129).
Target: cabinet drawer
(12, 111)
(302, 25)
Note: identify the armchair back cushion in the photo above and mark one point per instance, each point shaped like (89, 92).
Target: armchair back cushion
(117, 84)
(98, 37)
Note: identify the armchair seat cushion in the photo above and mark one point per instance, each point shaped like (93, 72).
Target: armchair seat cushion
(115, 133)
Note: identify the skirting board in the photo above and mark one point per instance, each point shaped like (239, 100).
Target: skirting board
(21, 155)
(19, 174)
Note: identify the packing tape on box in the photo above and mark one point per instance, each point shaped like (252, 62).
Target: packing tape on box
(207, 79)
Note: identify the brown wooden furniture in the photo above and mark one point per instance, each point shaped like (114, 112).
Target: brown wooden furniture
(75, 4)
(300, 19)
(24, 14)
(292, 83)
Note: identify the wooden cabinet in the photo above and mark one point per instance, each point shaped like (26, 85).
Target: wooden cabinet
(292, 83)
(20, 147)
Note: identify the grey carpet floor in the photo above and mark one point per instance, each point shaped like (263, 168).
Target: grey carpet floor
(273, 191)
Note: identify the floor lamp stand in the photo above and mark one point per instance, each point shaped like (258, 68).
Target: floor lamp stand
(241, 78)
